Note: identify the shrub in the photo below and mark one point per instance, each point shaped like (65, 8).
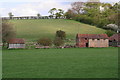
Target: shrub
(45, 42)
(61, 34)
(58, 41)
(110, 33)
(102, 23)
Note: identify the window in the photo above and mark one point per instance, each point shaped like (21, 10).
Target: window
(85, 38)
(98, 39)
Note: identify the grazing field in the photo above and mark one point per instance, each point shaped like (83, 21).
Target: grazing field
(61, 63)
(32, 30)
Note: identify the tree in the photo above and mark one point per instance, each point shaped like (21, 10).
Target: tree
(45, 42)
(10, 15)
(77, 7)
(93, 4)
(106, 5)
(59, 13)
(38, 15)
(116, 7)
(61, 34)
(8, 31)
(58, 41)
(95, 13)
(115, 18)
(53, 11)
(69, 14)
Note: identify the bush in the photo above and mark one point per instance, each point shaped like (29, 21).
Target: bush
(110, 33)
(58, 41)
(102, 23)
(61, 34)
(45, 42)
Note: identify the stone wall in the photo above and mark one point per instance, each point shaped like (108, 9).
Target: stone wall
(98, 43)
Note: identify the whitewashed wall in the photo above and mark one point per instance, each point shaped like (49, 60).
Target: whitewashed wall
(16, 46)
(98, 43)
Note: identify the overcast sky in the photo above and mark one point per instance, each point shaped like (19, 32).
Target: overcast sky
(32, 7)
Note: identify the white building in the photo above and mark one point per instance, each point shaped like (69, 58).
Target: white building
(16, 43)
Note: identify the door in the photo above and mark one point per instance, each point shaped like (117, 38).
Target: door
(87, 45)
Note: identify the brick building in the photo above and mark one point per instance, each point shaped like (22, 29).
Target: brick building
(114, 40)
(92, 40)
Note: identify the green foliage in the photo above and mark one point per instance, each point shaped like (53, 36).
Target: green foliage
(110, 33)
(58, 41)
(115, 18)
(69, 14)
(61, 34)
(101, 23)
(45, 42)
(93, 15)
(57, 13)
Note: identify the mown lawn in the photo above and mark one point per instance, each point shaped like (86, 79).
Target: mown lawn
(32, 30)
(61, 63)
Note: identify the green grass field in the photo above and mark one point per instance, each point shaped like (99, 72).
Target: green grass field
(34, 29)
(61, 63)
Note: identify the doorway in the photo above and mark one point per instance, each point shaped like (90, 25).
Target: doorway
(87, 45)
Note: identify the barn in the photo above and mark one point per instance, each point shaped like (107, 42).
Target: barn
(114, 40)
(92, 40)
(16, 43)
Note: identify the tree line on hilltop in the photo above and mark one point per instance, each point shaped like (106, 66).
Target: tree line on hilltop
(96, 13)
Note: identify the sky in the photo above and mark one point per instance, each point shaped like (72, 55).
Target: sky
(33, 7)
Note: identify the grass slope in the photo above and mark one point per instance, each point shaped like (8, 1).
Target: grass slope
(61, 63)
(35, 29)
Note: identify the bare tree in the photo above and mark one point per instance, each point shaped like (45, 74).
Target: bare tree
(7, 31)
(77, 6)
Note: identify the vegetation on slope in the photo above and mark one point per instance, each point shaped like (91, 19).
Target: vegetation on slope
(35, 29)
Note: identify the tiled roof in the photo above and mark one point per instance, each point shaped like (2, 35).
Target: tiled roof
(93, 36)
(16, 41)
(115, 37)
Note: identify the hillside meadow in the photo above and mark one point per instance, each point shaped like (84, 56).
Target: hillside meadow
(32, 30)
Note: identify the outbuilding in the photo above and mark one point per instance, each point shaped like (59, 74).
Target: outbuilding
(114, 40)
(16, 43)
(92, 40)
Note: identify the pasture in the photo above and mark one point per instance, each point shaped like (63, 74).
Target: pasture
(32, 30)
(61, 63)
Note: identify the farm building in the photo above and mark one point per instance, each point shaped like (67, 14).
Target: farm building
(114, 40)
(16, 43)
(92, 40)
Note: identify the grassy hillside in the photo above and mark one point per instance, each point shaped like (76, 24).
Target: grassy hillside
(35, 29)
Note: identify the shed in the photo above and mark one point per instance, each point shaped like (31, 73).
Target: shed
(16, 43)
(114, 40)
(92, 40)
